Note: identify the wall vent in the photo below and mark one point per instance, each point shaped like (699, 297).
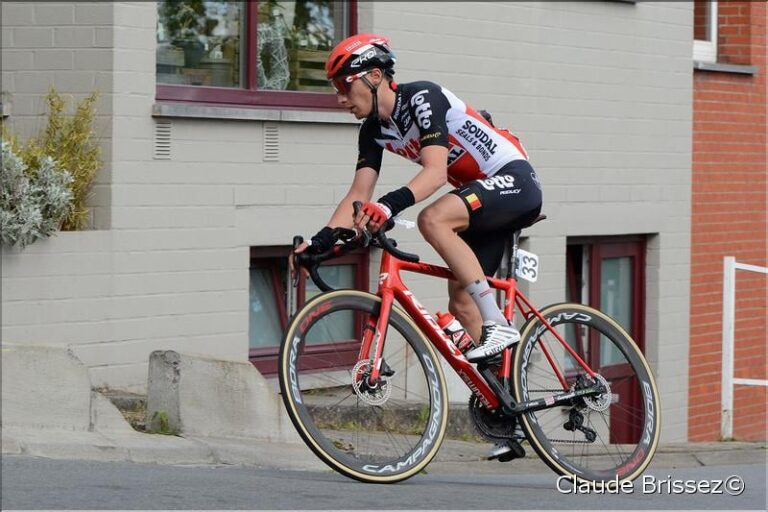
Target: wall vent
(162, 140)
(271, 143)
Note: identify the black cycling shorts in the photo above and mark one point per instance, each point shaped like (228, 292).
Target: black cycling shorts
(497, 207)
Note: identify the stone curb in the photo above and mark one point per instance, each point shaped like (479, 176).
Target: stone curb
(454, 456)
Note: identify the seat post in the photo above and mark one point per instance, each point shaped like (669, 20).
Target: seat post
(512, 244)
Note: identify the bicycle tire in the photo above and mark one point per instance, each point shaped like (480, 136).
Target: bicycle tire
(356, 439)
(627, 429)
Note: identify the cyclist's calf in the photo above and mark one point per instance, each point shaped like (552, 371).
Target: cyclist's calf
(463, 307)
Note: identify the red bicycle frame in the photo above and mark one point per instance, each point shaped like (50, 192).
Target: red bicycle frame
(391, 287)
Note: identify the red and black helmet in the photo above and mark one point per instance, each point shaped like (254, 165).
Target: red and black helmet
(358, 53)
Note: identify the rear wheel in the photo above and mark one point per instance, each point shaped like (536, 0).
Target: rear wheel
(596, 438)
(383, 431)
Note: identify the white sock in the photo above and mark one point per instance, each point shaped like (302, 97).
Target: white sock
(485, 299)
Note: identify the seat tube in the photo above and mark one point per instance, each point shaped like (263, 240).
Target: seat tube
(509, 314)
(509, 299)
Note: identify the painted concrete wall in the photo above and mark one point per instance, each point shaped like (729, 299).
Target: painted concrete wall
(600, 93)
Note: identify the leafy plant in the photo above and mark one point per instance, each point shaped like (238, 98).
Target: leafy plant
(68, 140)
(33, 204)
(183, 19)
(161, 424)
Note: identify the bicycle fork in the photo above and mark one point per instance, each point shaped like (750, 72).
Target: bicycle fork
(374, 334)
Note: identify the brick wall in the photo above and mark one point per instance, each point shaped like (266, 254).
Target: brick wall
(729, 218)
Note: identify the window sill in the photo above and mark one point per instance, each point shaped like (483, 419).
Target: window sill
(193, 111)
(724, 68)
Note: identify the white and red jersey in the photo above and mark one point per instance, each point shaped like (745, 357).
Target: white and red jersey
(426, 114)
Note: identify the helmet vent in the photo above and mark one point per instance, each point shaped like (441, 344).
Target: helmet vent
(336, 61)
(271, 143)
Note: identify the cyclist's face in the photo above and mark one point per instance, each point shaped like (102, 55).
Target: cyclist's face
(354, 94)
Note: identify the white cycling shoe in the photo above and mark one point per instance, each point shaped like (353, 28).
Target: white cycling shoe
(495, 338)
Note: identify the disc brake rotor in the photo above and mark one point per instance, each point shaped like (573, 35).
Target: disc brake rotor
(372, 394)
(602, 401)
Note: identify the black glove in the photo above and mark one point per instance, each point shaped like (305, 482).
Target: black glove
(322, 241)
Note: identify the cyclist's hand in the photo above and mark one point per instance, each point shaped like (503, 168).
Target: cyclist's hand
(372, 216)
(291, 263)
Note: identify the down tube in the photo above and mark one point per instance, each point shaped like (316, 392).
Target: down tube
(449, 351)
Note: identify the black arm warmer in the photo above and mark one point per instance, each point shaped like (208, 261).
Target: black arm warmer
(398, 200)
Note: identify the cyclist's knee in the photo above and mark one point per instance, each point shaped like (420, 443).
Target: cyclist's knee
(429, 221)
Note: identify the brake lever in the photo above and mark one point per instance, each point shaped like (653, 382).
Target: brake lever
(297, 241)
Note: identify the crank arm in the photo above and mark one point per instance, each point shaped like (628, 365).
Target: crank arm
(508, 404)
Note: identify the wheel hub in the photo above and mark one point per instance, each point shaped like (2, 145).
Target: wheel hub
(602, 401)
(372, 393)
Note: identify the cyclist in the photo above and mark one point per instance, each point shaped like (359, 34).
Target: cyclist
(496, 188)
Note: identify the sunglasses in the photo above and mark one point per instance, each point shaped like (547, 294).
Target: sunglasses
(343, 84)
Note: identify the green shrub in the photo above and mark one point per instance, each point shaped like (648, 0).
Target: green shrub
(67, 139)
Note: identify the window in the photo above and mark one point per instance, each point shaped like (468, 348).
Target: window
(268, 304)
(705, 30)
(267, 53)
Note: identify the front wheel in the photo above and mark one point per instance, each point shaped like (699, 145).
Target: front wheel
(379, 432)
(601, 437)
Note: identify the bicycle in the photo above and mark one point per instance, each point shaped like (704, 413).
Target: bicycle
(362, 381)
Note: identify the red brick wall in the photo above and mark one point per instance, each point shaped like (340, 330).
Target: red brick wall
(729, 218)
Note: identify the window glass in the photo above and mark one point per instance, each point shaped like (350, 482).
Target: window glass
(264, 320)
(199, 43)
(342, 326)
(701, 20)
(294, 39)
(615, 301)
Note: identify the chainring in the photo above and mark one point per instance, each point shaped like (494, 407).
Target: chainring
(490, 424)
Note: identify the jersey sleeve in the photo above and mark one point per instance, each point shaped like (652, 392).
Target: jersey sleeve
(429, 109)
(369, 152)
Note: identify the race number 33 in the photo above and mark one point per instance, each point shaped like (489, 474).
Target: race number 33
(527, 266)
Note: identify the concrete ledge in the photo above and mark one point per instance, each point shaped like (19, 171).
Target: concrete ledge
(194, 111)
(197, 396)
(725, 68)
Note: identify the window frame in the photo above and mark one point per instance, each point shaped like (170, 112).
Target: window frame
(249, 95)
(706, 51)
(265, 358)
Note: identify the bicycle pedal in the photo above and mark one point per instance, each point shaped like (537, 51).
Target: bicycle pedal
(517, 452)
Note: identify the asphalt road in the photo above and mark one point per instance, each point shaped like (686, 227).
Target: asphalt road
(35, 483)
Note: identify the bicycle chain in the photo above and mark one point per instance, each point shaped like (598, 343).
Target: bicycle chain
(563, 441)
